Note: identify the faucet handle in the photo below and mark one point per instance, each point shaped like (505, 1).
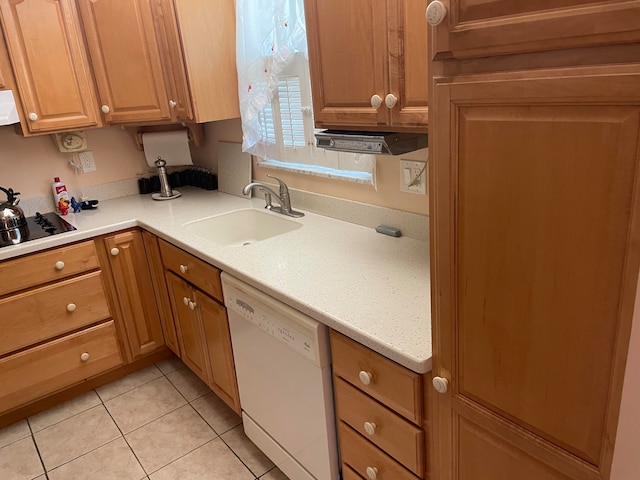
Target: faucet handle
(283, 186)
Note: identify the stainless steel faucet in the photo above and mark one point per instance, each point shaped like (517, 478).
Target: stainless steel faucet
(282, 198)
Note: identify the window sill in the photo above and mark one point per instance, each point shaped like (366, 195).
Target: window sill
(317, 171)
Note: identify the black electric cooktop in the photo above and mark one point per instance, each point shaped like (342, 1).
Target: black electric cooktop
(44, 225)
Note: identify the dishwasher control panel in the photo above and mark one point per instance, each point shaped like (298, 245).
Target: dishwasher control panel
(283, 329)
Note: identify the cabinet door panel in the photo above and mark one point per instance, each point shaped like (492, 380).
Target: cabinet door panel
(479, 27)
(345, 78)
(50, 65)
(136, 299)
(408, 62)
(218, 339)
(536, 218)
(126, 59)
(190, 332)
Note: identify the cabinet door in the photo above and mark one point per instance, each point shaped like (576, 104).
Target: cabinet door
(126, 59)
(221, 365)
(162, 293)
(190, 332)
(134, 290)
(408, 63)
(475, 28)
(536, 223)
(50, 64)
(348, 61)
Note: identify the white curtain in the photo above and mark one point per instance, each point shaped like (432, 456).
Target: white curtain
(269, 35)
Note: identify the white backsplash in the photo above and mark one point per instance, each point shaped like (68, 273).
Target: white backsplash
(412, 225)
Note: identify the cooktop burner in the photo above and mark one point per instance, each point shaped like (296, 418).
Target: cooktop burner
(44, 225)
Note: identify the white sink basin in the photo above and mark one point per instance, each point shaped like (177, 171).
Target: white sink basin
(242, 227)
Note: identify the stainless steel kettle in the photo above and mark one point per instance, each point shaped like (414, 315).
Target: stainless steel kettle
(13, 224)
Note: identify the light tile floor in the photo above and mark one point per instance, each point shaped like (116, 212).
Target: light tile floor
(160, 423)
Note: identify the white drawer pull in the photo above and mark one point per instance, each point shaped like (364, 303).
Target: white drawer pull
(84, 357)
(185, 300)
(436, 13)
(172, 104)
(59, 265)
(376, 101)
(370, 428)
(192, 305)
(390, 100)
(115, 251)
(440, 384)
(105, 109)
(372, 473)
(365, 377)
(33, 116)
(183, 269)
(71, 307)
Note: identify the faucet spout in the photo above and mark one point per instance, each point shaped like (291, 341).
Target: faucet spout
(282, 197)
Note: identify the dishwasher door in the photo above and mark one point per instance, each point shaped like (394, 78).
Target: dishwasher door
(284, 379)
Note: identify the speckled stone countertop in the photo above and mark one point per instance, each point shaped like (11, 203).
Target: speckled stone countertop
(371, 287)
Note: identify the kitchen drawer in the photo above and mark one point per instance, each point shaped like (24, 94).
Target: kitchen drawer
(37, 315)
(359, 454)
(32, 270)
(192, 269)
(392, 433)
(349, 474)
(394, 385)
(44, 369)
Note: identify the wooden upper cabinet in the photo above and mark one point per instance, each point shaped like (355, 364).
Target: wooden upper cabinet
(477, 28)
(163, 60)
(126, 60)
(366, 50)
(536, 207)
(50, 64)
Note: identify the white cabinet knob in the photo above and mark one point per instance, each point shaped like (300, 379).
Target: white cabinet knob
(71, 307)
(84, 357)
(33, 116)
(376, 101)
(192, 305)
(440, 384)
(370, 428)
(115, 251)
(59, 265)
(183, 268)
(372, 473)
(105, 109)
(172, 104)
(185, 300)
(365, 377)
(390, 100)
(436, 13)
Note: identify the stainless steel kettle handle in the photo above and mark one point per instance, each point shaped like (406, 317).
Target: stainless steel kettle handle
(12, 197)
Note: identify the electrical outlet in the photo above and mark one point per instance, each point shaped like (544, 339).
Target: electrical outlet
(87, 161)
(413, 177)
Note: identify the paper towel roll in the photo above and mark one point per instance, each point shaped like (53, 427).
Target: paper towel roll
(173, 147)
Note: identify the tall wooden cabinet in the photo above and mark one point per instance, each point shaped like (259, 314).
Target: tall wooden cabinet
(368, 63)
(51, 68)
(535, 235)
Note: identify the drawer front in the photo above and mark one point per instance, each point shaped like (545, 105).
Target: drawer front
(37, 315)
(359, 454)
(44, 369)
(192, 269)
(392, 433)
(349, 474)
(394, 385)
(48, 266)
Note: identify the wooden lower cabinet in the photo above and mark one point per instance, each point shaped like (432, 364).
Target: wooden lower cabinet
(46, 368)
(134, 303)
(201, 321)
(189, 325)
(382, 414)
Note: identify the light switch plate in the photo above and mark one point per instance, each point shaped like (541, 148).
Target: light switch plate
(413, 177)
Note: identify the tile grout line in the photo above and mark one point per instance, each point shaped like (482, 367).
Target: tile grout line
(35, 444)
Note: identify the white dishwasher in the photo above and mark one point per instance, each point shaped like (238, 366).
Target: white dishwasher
(283, 367)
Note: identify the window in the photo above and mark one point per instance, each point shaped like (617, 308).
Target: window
(275, 94)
